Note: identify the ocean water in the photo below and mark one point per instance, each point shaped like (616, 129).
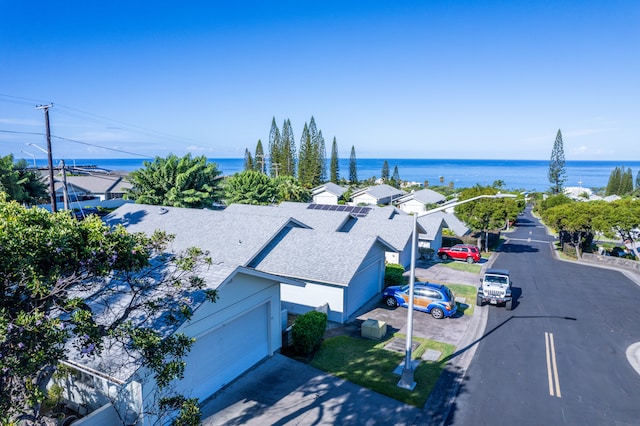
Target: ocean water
(516, 174)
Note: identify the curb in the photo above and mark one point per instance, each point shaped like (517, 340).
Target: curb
(439, 404)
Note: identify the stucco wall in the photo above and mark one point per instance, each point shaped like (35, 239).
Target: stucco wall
(611, 260)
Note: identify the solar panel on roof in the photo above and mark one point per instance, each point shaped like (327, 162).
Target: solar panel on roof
(356, 211)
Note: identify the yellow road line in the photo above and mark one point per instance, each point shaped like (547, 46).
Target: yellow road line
(552, 366)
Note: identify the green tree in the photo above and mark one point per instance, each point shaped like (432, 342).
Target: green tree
(614, 182)
(485, 214)
(498, 184)
(557, 171)
(275, 149)
(623, 216)
(637, 186)
(577, 220)
(177, 182)
(395, 179)
(320, 159)
(384, 175)
(288, 166)
(626, 183)
(20, 183)
(353, 168)
(289, 189)
(307, 159)
(51, 266)
(259, 158)
(248, 161)
(334, 167)
(314, 160)
(250, 187)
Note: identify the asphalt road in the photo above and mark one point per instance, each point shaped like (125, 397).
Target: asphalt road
(559, 356)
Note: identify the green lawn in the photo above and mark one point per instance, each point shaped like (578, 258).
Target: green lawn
(366, 363)
(462, 266)
(469, 292)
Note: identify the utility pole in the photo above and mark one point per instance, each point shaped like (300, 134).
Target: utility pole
(52, 187)
(65, 190)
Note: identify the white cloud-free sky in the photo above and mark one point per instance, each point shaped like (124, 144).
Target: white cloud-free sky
(395, 79)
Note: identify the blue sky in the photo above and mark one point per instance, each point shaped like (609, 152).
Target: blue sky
(395, 79)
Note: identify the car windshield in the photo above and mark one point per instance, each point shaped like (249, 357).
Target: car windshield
(495, 279)
(404, 289)
(448, 292)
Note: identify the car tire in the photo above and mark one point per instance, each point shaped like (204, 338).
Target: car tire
(391, 302)
(470, 259)
(479, 300)
(444, 256)
(437, 313)
(508, 305)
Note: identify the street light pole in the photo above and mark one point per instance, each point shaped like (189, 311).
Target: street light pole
(407, 378)
(32, 156)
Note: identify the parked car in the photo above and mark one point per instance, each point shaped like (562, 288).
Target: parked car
(435, 299)
(466, 252)
(495, 288)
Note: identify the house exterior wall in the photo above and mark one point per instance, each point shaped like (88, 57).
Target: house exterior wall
(364, 199)
(405, 254)
(302, 299)
(412, 206)
(325, 198)
(243, 293)
(366, 284)
(392, 257)
(248, 302)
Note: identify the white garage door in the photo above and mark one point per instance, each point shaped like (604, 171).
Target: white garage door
(228, 351)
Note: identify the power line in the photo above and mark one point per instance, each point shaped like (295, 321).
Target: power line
(85, 115)
(76, 141)
(98, 146)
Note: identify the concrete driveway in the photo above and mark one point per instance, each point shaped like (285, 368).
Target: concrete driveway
(282, 391)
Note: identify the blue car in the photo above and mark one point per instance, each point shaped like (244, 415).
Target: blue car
(435, 299)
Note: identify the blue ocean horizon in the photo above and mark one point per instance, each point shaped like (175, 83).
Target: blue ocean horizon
(528, 175)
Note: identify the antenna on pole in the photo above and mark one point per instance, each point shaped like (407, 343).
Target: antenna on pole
(52, 188)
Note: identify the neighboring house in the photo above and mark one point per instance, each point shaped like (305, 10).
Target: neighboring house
(417, 201)
(432, 225)
(454, 224)
(329, 193)
(297, 257)
(96, 185)
(376, 195)
(248, 310)
(341, 258)
(394, 227)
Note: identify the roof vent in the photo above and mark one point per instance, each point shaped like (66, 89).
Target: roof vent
(162, 210)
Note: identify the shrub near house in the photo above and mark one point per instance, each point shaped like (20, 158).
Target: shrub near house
(308, 330)
(393, 274)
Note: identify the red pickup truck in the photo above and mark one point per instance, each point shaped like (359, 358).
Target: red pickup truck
(465, 252)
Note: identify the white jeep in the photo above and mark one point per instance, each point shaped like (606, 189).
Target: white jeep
(495, 288)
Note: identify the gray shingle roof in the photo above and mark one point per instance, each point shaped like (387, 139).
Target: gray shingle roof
(431, 224)
(425, 196)
(456, 225)
(331, 188)
(231, 239)
(318, 256)
(380, 191)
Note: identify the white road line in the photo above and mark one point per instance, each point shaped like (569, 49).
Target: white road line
(552, 367)
(529, 240)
